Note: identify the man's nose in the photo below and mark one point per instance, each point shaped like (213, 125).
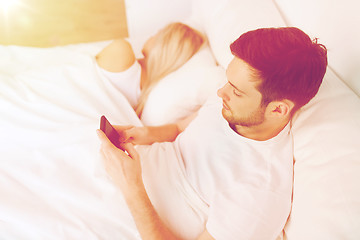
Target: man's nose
(221, 92)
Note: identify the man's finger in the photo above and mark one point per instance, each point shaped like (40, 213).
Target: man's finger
(128, 134)
(101, 135)
(105, 141)
(121, 127)
(129, 147)
(107, 146)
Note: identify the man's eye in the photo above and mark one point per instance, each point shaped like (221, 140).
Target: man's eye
(236, 93)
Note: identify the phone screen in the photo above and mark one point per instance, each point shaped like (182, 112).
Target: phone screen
(110, 132)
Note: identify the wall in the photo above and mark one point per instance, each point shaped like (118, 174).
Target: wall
(336, 24)
(146, 17)
(45, 23)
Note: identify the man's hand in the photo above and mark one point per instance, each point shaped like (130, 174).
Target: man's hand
(134, 135)
(147, 135)
(150, 134)
(124, 169)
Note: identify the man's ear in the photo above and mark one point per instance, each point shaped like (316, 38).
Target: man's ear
(281, 108)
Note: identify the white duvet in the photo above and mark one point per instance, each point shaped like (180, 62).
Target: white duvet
(52, 182)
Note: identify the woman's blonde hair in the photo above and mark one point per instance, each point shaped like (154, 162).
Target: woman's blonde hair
(172, 47)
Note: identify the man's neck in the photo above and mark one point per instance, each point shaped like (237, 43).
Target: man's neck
(262, 132)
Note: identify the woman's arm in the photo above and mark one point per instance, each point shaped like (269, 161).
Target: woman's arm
(117, 56)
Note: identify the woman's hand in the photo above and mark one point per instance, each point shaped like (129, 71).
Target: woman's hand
(124, 169)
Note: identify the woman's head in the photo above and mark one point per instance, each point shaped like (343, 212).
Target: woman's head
(167, 51)
(175, 39)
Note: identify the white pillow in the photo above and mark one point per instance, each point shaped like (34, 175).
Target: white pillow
(224, 21)
(326, 197)
(332, 22)
(183, 91)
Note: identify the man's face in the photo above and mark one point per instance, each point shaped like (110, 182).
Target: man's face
(241, 99)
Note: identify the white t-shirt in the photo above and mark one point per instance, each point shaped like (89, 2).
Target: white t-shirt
(127, 82)
(246, 183)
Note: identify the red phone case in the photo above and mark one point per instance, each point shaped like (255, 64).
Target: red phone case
(110, 132)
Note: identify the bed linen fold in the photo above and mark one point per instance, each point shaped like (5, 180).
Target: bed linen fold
(52, 182)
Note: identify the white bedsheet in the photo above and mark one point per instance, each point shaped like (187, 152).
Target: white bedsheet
(52, 182)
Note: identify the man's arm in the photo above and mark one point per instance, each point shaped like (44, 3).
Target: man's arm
(148, 221)
(149, 134)
(125, 171)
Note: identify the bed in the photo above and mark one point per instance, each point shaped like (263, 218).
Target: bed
(52, 181)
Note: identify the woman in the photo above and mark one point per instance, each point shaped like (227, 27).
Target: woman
(163, 53)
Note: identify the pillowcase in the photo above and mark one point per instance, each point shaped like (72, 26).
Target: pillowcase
(326, 196)
(224, 21)
(183, 91)
(331, 22)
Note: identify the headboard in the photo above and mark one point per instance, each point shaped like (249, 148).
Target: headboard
(47, 23)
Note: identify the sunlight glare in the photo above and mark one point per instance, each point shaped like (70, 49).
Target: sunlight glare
(5, 5)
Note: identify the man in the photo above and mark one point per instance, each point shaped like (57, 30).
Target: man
(236, 154)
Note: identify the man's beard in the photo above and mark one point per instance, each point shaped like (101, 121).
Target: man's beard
(255, 118)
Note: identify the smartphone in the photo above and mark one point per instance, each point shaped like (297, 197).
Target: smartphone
(110, 132)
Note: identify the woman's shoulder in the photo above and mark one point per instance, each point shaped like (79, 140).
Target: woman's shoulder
(118, 56)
